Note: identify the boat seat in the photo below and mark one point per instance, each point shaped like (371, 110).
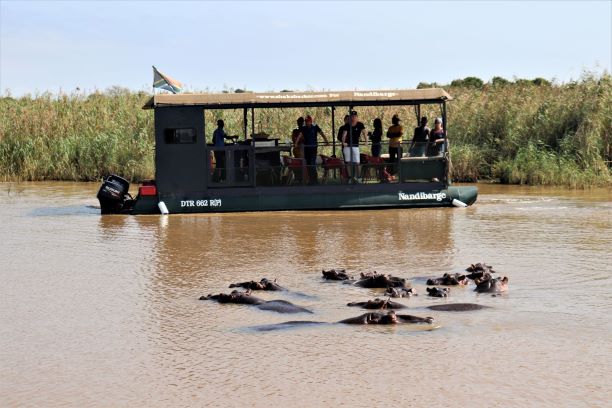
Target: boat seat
(333, 164)
(373, 168)
(295, 170)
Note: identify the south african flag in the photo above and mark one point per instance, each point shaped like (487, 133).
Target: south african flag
(165, 82)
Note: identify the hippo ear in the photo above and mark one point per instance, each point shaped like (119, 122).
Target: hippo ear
(505, 280)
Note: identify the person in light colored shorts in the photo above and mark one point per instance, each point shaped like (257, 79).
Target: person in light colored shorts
(351, 154)
(350, 144)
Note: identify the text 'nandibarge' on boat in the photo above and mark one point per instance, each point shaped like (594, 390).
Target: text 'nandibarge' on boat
(257, 173)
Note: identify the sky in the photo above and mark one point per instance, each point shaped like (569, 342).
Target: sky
(58, 46)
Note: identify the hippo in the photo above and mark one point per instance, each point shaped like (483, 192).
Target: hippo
(400, 292)
(378, 304)
(480, 267)
(334, 274)
(245, 298)
(457, 307)
(438, 292)
(263, 284)
(449, 280)
(388, 318)
(368, 318)
(479, 275)
(377, 280)
(287, 325)
(479, 271)
(492, 285)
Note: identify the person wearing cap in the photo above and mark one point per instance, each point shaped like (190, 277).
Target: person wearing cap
(394, 133)
(418, 145)
(437, 138)
(350, 144)
(298, 143)
(218, 139)
(308, 136)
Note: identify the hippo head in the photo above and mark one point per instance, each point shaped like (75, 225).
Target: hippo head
(438, 292)
(499, 284)
(376, 304)
(389, 318)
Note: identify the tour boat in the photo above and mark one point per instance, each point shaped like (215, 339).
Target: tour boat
(256, 171)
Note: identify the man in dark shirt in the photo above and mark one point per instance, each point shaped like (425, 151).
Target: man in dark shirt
(342, 128)
(418, 145)
(350, 144)
(309, 135)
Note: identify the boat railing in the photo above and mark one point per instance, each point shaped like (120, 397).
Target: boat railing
(249, 165)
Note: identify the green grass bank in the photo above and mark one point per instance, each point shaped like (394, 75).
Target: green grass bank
(517, 132)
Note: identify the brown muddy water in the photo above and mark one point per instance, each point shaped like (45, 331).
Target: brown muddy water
(104, 311)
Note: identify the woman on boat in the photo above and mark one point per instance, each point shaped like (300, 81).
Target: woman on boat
(395, 134)
(418, 145)
(376, 137)
(437, 138)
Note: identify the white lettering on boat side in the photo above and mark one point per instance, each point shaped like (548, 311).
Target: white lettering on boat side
(421, 196)
(215, 202)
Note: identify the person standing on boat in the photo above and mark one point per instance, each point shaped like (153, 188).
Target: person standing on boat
(309, 134)
(418, 145)
(219, 137)
(437, 137)
(350, 144)
(298, 148)
(376, 137)
(342, 128)
(394, 133)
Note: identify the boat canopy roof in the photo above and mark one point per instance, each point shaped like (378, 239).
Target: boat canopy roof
(301, 99)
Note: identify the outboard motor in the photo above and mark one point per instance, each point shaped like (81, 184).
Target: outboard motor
(113, 194)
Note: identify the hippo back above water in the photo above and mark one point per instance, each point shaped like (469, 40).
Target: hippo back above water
(386, 318)
(377, 280)
(245, 298)
(378, 304)
(263, 284)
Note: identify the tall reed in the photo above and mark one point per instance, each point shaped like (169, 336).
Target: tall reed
(512, 132)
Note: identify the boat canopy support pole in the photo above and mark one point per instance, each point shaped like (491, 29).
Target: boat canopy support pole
(444, 123)
(244, 122)
(352, 174)
(252, 121)
(333, 132)
(447, 153)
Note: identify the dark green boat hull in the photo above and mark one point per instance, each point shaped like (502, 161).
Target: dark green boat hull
(345, 197)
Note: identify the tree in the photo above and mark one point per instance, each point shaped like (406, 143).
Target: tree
(499, 81)
(472, 82)
(423, 85)
(541, 82)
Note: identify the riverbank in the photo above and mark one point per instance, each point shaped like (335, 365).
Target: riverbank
(527, 132)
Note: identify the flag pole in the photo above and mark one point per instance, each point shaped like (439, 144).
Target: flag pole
(153, 85)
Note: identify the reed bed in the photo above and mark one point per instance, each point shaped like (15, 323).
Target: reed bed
(517, 132)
